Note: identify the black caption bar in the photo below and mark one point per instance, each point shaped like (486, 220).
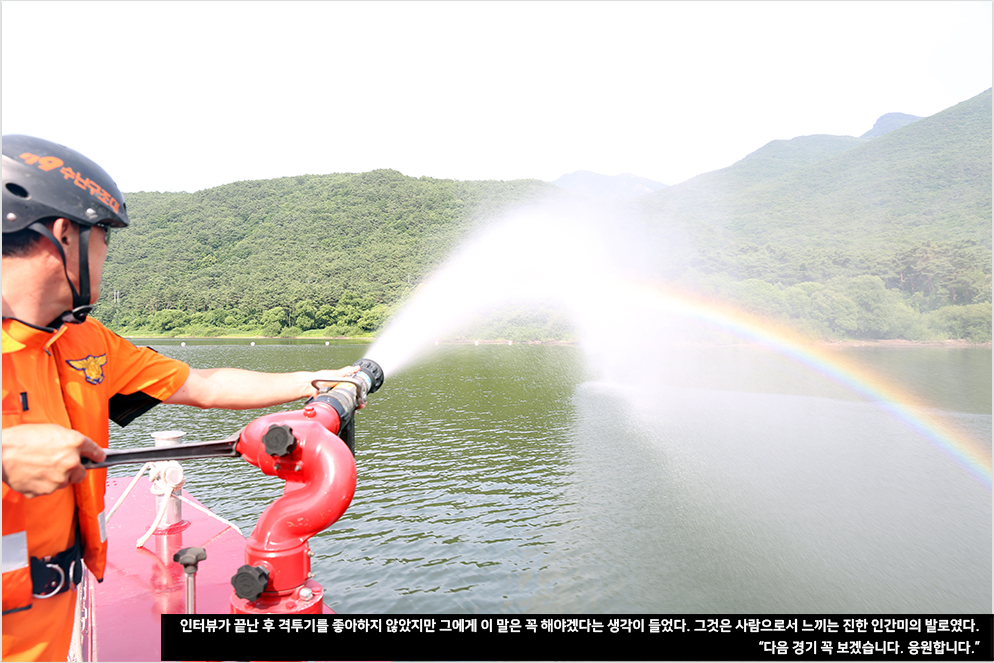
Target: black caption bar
(578, 638)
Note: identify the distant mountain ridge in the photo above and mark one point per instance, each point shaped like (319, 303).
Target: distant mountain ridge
(889, 122)
(930, 177)
(778, 156)
(607, 187)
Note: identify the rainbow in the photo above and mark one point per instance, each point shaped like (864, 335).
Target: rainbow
(964, 449)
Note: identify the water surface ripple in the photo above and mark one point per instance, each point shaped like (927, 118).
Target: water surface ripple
(506, 479)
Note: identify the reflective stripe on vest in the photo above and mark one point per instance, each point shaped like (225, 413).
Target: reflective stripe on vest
(15, 551)
(16, 565)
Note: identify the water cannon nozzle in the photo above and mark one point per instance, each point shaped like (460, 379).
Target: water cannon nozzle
(372, 372)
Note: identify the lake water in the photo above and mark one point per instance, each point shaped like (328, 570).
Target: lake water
(514, 479)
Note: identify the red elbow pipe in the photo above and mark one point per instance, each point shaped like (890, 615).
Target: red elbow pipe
(320, 475)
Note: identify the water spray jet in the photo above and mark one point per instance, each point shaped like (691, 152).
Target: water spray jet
(603, 270)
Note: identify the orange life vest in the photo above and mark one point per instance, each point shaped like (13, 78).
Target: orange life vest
(93, 365)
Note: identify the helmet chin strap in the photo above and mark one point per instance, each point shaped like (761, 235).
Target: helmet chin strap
(80, 300)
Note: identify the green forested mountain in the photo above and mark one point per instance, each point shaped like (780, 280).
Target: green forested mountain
(847, 237)
(327, 250)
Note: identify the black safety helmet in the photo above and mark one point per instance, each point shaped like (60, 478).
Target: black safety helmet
(43, 180)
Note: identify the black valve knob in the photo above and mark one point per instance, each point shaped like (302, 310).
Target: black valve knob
(189, 558)
(250, 581)
(279, 440)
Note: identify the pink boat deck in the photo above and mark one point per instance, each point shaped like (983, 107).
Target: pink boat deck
(121, 614)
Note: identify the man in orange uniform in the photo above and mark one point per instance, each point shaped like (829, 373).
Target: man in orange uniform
(64, 375)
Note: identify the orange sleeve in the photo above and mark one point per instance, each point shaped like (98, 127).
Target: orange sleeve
(139, 378)
(143, 369)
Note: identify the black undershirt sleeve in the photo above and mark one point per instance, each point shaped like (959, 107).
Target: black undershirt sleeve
(125, 408)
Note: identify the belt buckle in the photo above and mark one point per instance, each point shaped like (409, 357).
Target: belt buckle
(58, 588)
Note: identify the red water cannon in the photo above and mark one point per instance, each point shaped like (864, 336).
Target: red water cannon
(313, 451)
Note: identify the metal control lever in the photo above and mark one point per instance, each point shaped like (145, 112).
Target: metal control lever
(216, 449)
(189, 558)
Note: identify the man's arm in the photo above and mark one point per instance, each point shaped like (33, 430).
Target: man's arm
(39, 459)
(238, 389)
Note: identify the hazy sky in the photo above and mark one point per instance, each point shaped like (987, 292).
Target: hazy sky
(181, 96)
